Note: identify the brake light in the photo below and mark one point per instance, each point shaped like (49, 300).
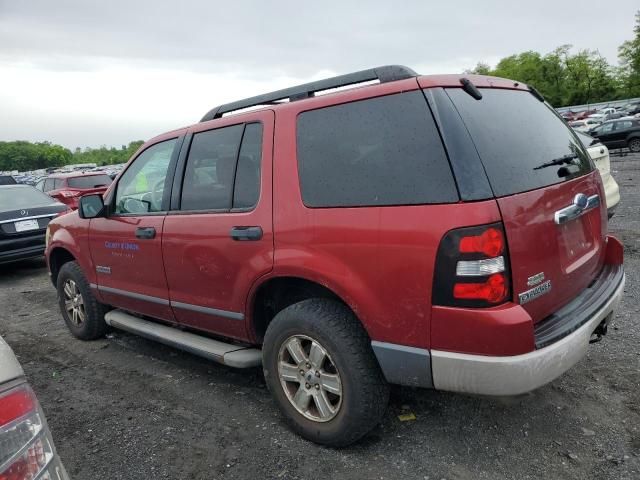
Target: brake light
(490, 242)
(26, 447)
(472, 268)
(493, 290)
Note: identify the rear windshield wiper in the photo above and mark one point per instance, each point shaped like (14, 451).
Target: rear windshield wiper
(568, 159)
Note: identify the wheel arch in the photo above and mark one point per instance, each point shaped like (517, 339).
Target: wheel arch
(57, 258)
(278, 292)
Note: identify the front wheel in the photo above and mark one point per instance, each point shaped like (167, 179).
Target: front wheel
(81, 311)
(634, 145)
(320, 368)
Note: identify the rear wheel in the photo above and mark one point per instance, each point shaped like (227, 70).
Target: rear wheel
(634, 145)
(82, 313)
(320, 368)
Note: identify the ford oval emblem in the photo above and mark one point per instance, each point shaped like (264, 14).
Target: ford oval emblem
(581, 201)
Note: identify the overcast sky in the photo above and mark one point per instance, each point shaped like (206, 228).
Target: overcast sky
(88, 73)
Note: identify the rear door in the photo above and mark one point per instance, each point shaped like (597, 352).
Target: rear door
(218, 238)
(549, 194)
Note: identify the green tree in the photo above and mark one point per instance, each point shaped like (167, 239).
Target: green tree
(629, 55)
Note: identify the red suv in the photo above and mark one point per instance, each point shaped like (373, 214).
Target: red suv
(69, 187)
(432, 231)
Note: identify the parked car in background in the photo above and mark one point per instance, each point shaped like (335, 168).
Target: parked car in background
(69, 187)
(27, 451)
(354, 239)
(584, 125)
(24, 215)
(621, 133)
(599, 153)
(584, 114)
(7, 180)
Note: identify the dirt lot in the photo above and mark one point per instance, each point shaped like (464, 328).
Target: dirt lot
(126, 408)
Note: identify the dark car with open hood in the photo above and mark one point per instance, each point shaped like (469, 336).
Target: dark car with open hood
(24, 215)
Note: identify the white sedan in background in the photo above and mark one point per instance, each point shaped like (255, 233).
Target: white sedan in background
(600, 156)
(584, 125)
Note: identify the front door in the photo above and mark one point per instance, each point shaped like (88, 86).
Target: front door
(218, 238)
(126, 245)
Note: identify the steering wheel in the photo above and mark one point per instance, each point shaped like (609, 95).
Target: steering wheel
(156, 194)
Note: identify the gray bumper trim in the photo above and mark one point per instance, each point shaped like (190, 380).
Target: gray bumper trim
(513, 375)
(403, 365)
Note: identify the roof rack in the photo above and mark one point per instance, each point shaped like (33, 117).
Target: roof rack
(387, 73)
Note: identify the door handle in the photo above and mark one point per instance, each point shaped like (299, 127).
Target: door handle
(581, 204)
(146, 232)
(244, 234)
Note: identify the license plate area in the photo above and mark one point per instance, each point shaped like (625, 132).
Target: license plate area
(577, 243)
(26, 225)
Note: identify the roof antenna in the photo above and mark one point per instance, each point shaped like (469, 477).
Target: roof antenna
(470, 88)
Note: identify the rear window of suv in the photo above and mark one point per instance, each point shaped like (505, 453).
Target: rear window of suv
(374, 152)
(515, 134)
(89, 181)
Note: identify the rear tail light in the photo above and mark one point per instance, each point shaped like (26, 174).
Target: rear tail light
(26, 447)
(472, 268)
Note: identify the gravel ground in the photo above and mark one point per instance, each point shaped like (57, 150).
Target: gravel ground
(127, 408)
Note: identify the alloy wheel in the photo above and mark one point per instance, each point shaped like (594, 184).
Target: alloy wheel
(310, 378)
(73, 302)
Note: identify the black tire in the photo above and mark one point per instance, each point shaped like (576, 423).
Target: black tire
(634, 145)
(365, 392)
(93, 325)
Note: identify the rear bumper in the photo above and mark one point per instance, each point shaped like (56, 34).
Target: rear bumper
(22, 253)
(514, 375)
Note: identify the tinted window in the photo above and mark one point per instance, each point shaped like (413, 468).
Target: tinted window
(515, 134)
(247, 184)
(208, 177)
(7, 180)
(605, 128)
(141, 188)
(23, 197)
(48, 184)
(623, 125)
(89, 181)
(381, 151)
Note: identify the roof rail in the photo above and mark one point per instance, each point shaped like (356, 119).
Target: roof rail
(387, 73)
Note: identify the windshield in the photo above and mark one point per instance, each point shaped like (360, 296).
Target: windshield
(15, 198)
(89, 181)
(514, 133)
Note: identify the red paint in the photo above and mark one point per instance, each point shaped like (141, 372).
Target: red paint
(69, 195)
(378, 260)
(204, 266)
(570, 255)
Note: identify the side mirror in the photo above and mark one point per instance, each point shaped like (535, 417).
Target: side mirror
(91, 206)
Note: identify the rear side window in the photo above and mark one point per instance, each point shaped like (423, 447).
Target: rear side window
(48, 184)
(223, 169)
(247, 184)
(515, 135)
(374, 152)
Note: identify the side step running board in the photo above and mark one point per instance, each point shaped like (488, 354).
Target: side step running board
(226, 353)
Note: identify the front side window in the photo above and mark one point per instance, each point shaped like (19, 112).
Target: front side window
(374, 152)
(141, 188)
(605, 128)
